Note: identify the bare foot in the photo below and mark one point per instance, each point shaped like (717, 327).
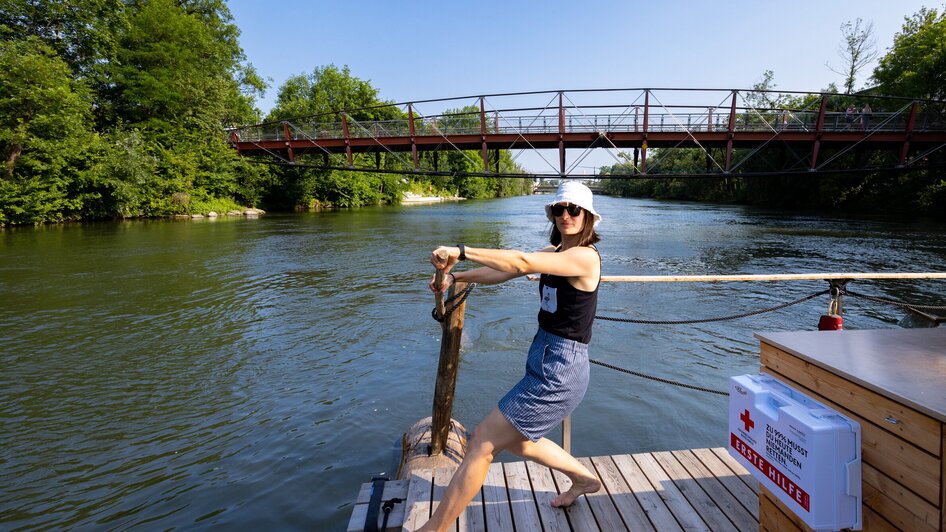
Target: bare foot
(579, 488)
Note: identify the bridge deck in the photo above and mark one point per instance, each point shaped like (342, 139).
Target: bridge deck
(693, 489)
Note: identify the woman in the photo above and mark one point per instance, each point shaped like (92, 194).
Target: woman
(557, 366)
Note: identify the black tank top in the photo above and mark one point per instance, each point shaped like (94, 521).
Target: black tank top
(565, 310)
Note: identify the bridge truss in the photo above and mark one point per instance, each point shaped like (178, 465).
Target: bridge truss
(780, 132)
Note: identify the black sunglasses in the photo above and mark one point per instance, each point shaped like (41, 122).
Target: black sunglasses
(573, 210)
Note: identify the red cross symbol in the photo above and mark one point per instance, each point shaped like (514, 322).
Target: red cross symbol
(744, 417)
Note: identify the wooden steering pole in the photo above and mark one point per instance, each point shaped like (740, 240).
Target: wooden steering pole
(439, 440)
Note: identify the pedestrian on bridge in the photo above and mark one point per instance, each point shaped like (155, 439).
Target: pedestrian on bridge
(865, 116)
(557, 369)
(850, 115)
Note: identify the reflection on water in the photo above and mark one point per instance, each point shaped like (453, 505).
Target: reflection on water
(252, 373)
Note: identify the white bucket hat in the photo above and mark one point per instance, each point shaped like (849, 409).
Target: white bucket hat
(576, 193)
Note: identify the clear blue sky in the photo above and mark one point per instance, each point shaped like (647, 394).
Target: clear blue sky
(437, 49)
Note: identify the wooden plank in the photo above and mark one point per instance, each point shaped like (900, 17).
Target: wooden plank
(602, 511)
(900, 364)
(476, 518)
(670, 469)
(876, 522)
(441, 479)
(871, 520)
(653, 505)
(748, 498)
(544, 490)
(621, 498)
(668, 491)
(496, 499)
(773, 517)
(920, 516)
(580, 515)
(392, 489)
(908, 465)
(720, 496)
(734, 466)
(419, 494)
(525, 516)
(917, 428)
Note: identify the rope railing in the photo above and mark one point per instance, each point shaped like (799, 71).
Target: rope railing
(839, 280)
(717, 318)
(460, 297)
(766, 277)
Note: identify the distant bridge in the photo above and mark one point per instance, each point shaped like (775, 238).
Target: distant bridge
(550, 187)
(812, 136)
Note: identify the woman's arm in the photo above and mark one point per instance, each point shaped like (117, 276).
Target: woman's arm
(479, 276)
(573, 262)
(484, 275)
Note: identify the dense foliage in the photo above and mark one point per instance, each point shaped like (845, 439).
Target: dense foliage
(117, 108)
(915, 66)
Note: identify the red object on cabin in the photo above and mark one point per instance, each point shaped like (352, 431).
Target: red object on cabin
(831, 322)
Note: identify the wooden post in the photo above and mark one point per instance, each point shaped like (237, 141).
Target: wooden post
(439, 441)
(438, 284)
(447, 375)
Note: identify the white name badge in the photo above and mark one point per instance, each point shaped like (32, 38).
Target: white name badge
(549, 299)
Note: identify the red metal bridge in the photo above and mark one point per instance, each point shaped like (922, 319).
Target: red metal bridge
(812, 131)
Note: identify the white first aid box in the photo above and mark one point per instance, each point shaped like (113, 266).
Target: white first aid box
(806, 454)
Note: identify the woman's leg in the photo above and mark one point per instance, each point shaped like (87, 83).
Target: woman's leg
(493, 435)
(548, 453)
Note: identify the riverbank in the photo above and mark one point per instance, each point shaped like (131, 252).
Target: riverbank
(410, 198)
(248, 213)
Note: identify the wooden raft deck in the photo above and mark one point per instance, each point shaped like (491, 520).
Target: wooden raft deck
(693, 489)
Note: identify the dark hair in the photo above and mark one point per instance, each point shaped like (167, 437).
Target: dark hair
(588, 235)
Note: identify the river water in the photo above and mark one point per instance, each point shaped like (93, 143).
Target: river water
(252, 374)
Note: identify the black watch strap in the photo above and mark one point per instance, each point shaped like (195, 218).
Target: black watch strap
(462, 251)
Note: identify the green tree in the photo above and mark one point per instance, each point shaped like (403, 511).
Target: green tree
(325, 92)
(179, 79)
(82, 32)
(916, 64)
(45, 136)
(174, 71)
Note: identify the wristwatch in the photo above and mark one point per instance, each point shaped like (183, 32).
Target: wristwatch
(462, 251)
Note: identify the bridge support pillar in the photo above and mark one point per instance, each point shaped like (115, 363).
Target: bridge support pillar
(288, 137)
(911, 123)
(644, 141)
(561, 136)
(410, 126)
(731, 130)
(819, 130)
(484, 151)
(347, 134)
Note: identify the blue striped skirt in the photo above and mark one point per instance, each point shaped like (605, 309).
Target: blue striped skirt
(555, 382)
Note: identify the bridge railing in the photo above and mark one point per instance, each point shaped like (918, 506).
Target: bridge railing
(614, 110)
(667, 121)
